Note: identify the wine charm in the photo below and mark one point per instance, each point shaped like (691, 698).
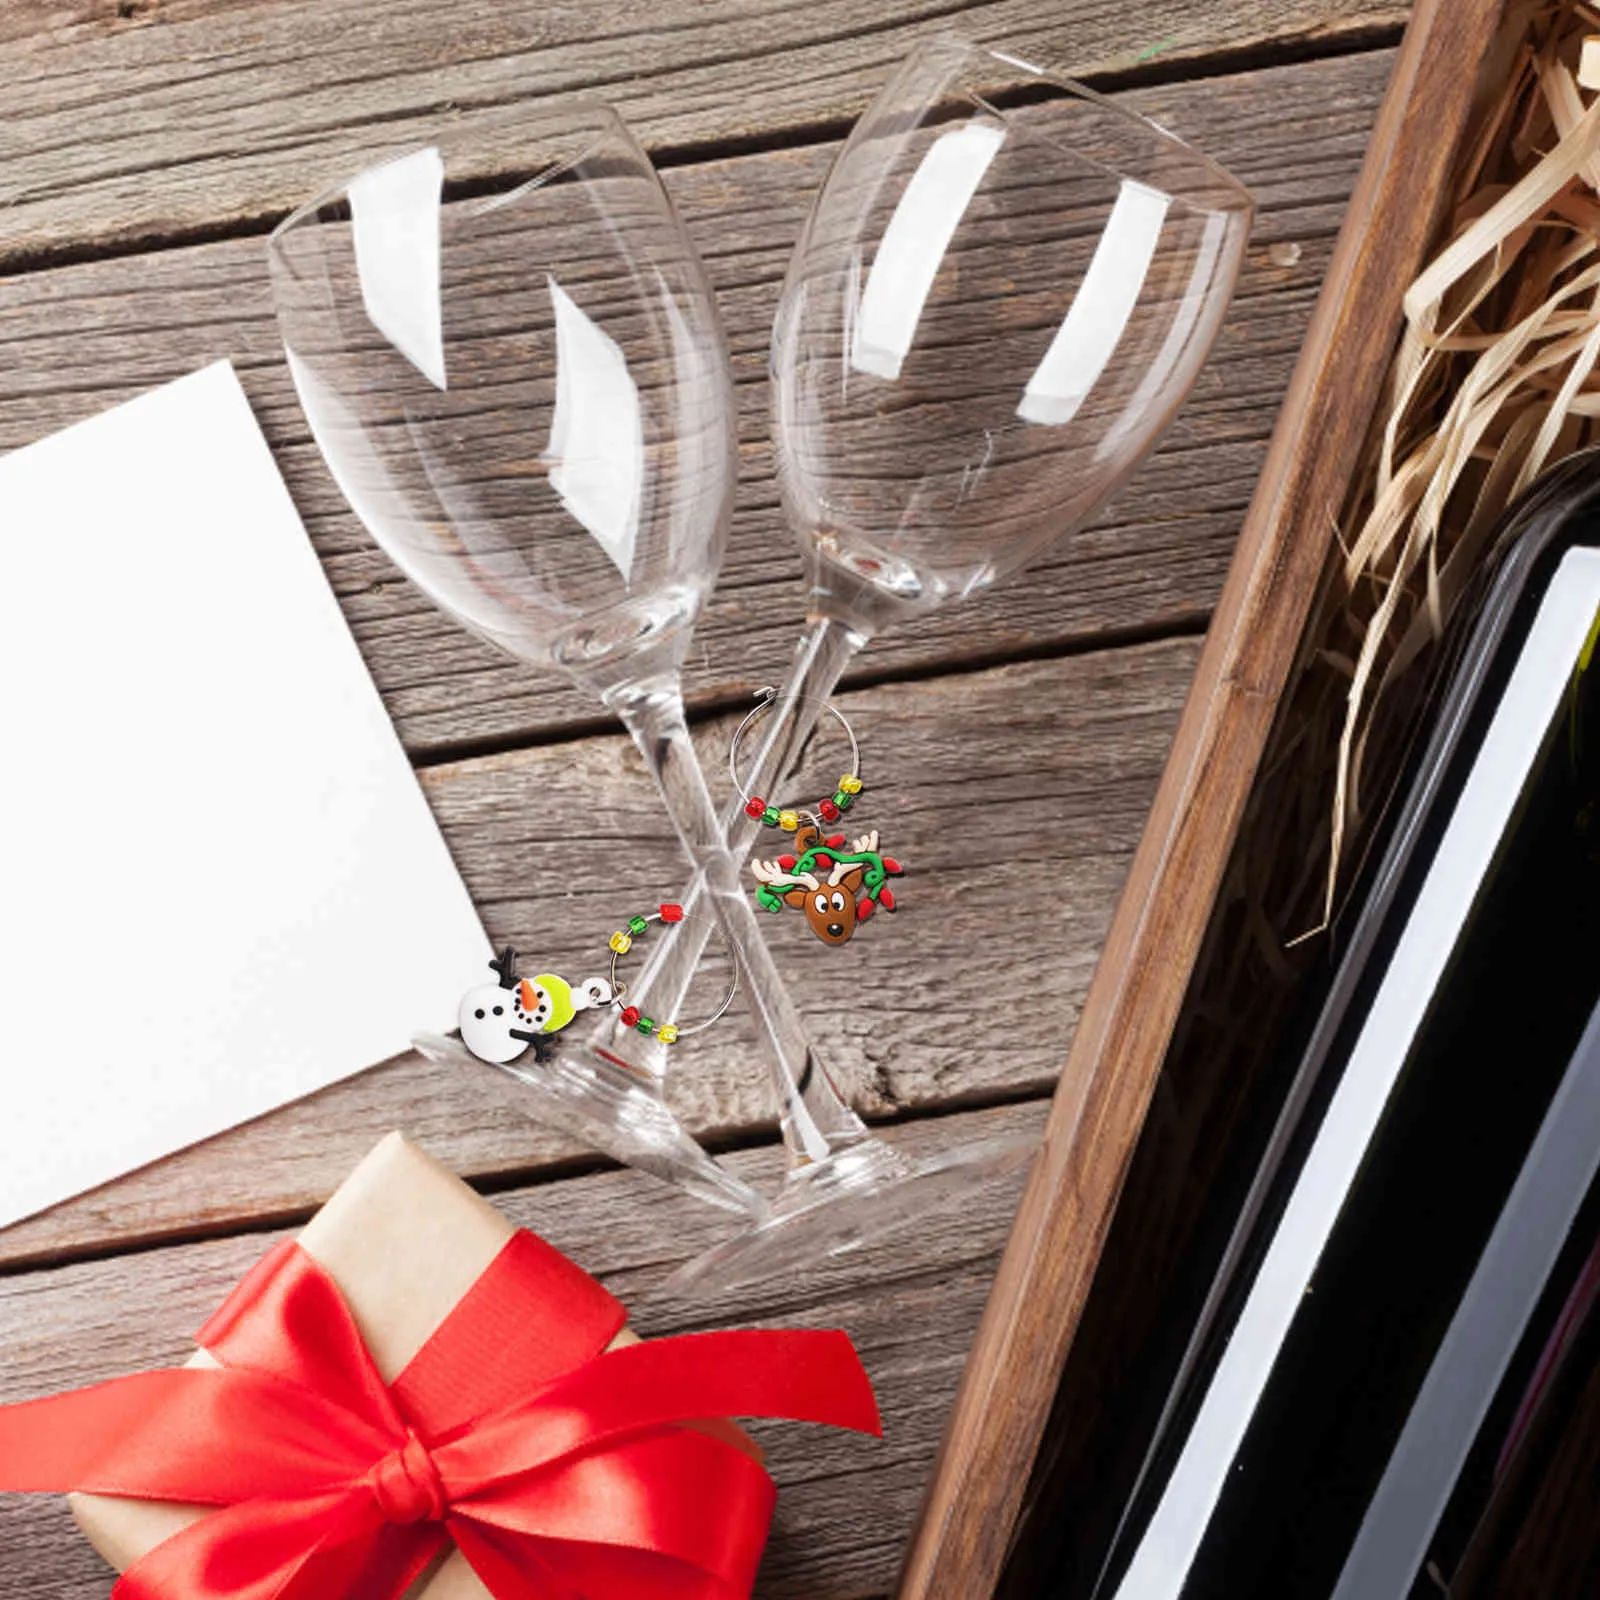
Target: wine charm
(855, 885)
(837, 886)
(500, 1021)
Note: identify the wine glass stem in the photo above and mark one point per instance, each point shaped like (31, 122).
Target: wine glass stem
(814, 1116)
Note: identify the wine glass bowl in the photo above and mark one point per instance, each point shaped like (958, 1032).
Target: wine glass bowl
(1005, 290)
(524, 394)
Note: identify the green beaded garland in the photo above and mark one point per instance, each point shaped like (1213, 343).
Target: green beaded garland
(645, 1025)
(842, 800)
(637, 925)
(769, 817)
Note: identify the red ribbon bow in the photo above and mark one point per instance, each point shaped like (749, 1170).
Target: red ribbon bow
(561, 1472)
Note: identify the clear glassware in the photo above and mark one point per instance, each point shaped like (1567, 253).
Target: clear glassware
(1002, 295)
(526, 397)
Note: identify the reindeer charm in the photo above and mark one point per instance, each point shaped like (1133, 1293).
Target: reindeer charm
(854, 885)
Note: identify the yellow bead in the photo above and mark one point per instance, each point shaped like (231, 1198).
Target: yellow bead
(667, 1033)
(788, 820)
(850, 783)
(621, 943)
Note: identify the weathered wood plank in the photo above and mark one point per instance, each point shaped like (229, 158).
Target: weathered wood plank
(845, 1504)
(124, 122)
(75, 339)
(1014, 796)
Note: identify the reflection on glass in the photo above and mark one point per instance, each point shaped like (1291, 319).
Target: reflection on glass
(596, 449)
(1208, 262)
(1102, 308)
(914, 245)
(394, 211)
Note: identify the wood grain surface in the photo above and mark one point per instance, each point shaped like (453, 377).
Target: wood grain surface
(1014, 797)
(1152, 562)
(125, 123)
(1013, 750)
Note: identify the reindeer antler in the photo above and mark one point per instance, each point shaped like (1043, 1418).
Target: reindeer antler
(867, 842)
(776, 876)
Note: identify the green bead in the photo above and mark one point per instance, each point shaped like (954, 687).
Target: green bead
(645, 1025)
(637, 925)
(842, 800)
(769, 817)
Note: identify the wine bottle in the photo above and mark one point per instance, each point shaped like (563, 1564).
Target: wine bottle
(1393, 1377)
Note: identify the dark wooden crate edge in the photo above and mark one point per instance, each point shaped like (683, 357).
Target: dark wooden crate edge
(972, 1505)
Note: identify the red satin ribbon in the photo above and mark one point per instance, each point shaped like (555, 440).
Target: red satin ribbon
(561, 1472)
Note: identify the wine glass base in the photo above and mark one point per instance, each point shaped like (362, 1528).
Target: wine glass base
(613, 1108)
(853, 1198)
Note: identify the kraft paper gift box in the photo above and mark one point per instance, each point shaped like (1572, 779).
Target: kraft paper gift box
(404, 1239)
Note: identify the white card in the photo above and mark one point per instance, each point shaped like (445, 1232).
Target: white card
(220, 885)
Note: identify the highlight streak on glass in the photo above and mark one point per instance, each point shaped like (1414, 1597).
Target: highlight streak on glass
(914, 245)
(394, 213)
(596, 449)
(1182, 343)
(1101, 310)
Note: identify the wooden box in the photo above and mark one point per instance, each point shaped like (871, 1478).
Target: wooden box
(971, 1512)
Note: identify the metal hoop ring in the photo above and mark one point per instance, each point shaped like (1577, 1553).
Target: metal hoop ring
(765, 700)
(667, 1032)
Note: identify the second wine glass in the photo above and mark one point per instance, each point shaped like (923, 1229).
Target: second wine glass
(1002, 295)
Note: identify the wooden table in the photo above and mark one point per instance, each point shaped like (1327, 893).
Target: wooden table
(146, 146)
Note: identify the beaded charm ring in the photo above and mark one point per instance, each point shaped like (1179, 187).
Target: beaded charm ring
(500, 1021)
(630, 1015)
(838, 883)
(829, 809)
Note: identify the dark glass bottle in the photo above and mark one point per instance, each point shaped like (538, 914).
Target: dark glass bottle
(1392, 1389)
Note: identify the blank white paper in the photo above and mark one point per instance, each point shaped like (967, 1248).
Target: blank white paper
(220, 885)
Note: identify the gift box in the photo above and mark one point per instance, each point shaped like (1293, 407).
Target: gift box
(417, 1399)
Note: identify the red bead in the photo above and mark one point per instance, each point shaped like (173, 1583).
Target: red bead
(786, 862)
(830, 812)
(864, 910)
(671, 913)
(630, 1017)
(834, 840)
(755, 808)
(891, 865)
(886, 898)
(825, 862)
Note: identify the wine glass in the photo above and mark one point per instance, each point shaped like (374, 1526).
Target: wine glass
(526, 397)
(1004, 291)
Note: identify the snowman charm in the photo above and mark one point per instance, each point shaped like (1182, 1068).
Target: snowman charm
(500, 1020)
